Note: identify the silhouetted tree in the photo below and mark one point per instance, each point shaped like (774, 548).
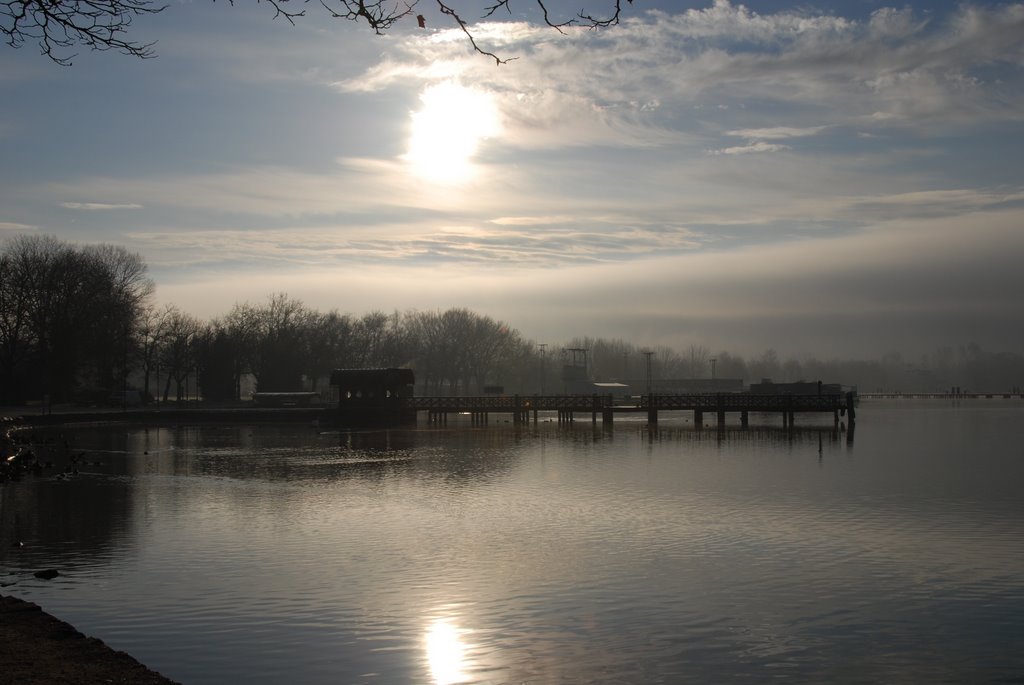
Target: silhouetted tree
(765, 366)
(695, 362)
(331, 344)
(149, 334)
(16, 338)
(240, 328)
(216, 361)
(606, 358)
(279, 343)
(434, 352)
(114, 292)
(730, 366)
(458, 351)
(178, 349)
(70, 316)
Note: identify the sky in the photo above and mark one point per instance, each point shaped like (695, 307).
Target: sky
(827, 178)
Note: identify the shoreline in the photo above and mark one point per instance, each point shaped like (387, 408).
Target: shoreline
(40, 649)
(191, 415)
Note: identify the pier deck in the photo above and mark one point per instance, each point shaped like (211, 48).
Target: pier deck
(521, 407)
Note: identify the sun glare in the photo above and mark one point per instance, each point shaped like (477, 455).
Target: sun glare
(447, 130)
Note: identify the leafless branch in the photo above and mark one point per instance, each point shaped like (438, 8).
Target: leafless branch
(445, 9)
(59, 24)
(581, 18)
(488, 11)
(379, 15)
(558, 26)
(279, 10)
(595, 23)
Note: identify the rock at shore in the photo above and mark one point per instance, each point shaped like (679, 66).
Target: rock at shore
(37, 648)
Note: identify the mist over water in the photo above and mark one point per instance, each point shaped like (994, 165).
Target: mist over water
(543, 553)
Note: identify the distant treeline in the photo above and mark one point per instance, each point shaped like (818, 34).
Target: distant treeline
(78, 324)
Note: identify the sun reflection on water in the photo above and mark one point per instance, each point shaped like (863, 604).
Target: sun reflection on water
(446, 653)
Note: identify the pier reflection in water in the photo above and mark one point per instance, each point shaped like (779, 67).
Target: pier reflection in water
(541, 552)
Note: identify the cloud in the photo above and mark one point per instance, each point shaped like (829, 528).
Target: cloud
(267, 190)
(588, 87)
(530, 220)
(922, 283)
(759, 146)
(777, 132)
(12, 226)
(92, 206)
(438, 243)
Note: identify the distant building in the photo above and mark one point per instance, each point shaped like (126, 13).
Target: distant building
(686, 386)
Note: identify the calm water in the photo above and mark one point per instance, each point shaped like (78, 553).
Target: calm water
(273, 554)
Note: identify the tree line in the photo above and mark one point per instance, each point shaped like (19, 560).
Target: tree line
(79, 324)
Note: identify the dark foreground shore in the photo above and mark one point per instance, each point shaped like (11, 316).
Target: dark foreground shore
(38, 648)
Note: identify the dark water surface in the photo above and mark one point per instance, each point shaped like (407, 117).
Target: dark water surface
(286, 554)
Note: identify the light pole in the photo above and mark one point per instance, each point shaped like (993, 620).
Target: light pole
(713, 360)
(543, 355)
(648, 355)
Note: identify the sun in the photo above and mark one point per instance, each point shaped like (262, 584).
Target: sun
(447, 130)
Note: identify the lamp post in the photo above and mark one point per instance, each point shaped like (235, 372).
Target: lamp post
(648, 355)
(543, 355)
(713, 360)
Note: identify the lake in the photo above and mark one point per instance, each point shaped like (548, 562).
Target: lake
(542, 553)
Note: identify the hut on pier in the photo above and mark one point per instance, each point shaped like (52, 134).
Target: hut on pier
(371, 397)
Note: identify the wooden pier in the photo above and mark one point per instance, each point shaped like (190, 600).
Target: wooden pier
(524, 407)
(955, 396)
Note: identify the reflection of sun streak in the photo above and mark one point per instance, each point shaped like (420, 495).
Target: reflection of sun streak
(445, 653)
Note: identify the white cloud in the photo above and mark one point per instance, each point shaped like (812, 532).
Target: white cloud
(759, 146)
(777, 132)
(92, 206)
(439, 242)
(590, 85)
(892, 23)
(531, 220)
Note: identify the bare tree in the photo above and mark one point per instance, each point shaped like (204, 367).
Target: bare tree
(114, 295)
(150, 334)
(331, 344)
(57, 26)
(696, 359)
(767, 366)
(69, 316)
(178, 349)
(280, 328)
(16, 337)
(731, 365)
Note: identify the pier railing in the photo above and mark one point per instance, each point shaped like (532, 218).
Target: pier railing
(731, 402)
(510, 403)
(521, 406)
